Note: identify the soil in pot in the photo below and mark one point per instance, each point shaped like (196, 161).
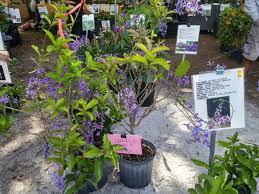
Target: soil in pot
(136, 171)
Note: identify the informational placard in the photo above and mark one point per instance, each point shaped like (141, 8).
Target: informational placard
(132, 143)
(15, 15)
(43, 10)
(88, 22)
(105, 7)
(106, 25)
(94, 8)
(1, 42)
(219, 99)
(114, 9)
(206, 9)
(224, 6)
(4, 73)
(137, 20)
(187, 39)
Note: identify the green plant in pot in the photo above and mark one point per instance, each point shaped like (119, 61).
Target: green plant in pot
(132, 79)
(235, 172)
(234, 26)
(75, 107)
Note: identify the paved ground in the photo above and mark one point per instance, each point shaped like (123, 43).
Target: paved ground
(24, 170)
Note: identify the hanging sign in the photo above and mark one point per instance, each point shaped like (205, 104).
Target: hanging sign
(206, 9)
(219, 99)
(114, 9)
(4, 73)
(1, 42)
(94, 8)
(106, 25)
(88, 22)
(187, 39)
(43, 10)
(15, 15)
(105, 7)
(137, 20)
(132, 143)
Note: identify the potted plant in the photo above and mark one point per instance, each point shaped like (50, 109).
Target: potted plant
(233, 28)
(235, 172)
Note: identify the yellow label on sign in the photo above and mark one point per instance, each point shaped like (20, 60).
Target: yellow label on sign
(240, 73)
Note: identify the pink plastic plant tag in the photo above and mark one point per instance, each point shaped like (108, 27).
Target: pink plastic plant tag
(132, 143)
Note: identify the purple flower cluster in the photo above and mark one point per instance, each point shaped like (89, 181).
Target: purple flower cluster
(60, 182)
(257, 89)
(83, 88)
(78, 43)
(198, 133)
(4, 99)
(97, 127)
(41, 83)
(116, 29)
(88, 137)
(129, 100)
(183, 81)
(188, 7)
(193, 47)
(162, 27)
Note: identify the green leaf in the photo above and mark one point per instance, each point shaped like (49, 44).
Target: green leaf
(200, 163)
(245, 161)
(140, 59)
(93, 152)
(142, 47)
(91, 104)
(71, 161)
(224, 144)
(192, 191)
(46, 18)
(183, 68)
(50, 35)
(159, 49)
(98, 169)
(36, 49)
(162, 62)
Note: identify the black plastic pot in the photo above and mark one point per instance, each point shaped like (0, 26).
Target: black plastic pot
(134, 174)
(237, 55)
(88, 187)
(182, 18)
(150, 98)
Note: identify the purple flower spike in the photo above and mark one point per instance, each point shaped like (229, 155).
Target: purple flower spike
(129, 100)
(117, 29)
(59, 182)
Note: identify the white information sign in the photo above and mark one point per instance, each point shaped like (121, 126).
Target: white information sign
(114, 9)
(94, 8)
(15, 15)
(224, 6)
(206, 9)
(4, 73)
(43, 10)
(1, 42)
(88, 22)
(187, 39)
(106, 25)
(219, 99)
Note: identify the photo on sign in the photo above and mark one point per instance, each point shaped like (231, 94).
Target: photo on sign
(137, 20)
(188, 46)
(15, 15)
(88, 22)
(219, 112)
(106, 25)
(4, 73)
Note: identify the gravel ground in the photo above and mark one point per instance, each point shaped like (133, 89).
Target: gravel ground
(23, 168)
